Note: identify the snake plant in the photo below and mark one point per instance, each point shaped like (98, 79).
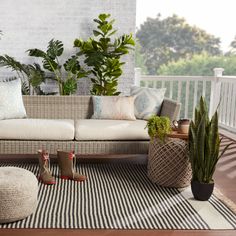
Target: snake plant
(204, 144)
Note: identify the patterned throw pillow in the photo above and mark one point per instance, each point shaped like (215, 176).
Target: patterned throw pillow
(147, 101)
(113, 108)
(11, 102)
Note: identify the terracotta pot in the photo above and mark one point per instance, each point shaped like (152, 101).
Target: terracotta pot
(202, 191)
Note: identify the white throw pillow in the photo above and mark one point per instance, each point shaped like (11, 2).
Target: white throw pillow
(147, 101)
(11, 102)
(113, 108)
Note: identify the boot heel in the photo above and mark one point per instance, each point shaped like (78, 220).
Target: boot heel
(65, 177)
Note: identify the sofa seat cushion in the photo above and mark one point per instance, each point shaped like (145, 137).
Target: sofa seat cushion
(92, 129)
(37, 129)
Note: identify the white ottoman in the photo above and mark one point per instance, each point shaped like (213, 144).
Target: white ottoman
(18, 194)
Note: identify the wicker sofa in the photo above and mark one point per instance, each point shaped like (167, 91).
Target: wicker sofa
(76, 108)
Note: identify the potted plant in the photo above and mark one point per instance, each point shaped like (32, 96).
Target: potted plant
(204, 145)
(102, 54)
(158, 127)
(50, 60)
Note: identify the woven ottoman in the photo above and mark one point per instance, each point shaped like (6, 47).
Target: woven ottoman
(18, 194)
(168, 163)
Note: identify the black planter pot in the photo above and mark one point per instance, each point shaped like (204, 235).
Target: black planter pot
(201, 191)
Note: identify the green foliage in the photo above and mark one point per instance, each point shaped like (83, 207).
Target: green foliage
(30, 75)
(158, 127)
(172, 38)
(50, 61)
(204, 144)
(102, 55)
(201, 65)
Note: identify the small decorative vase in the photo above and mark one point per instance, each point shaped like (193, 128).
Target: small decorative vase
(202, 191)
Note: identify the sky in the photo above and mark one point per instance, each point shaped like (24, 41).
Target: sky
(217, 17)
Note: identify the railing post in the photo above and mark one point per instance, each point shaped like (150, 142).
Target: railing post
(215, 90)
(137, 76)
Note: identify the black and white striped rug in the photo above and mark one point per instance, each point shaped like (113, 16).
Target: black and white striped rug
(120, 196)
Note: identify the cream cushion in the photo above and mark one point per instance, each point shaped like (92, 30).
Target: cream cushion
(37, 129)
(92, 129)
(18, 191)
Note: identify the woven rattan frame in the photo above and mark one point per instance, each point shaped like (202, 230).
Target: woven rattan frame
(75, 107)
(168, 163)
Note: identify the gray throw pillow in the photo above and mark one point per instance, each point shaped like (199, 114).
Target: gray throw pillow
(147, 101)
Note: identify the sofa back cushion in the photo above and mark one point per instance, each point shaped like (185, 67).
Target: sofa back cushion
(58, 107)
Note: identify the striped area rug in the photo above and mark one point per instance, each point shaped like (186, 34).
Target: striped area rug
(120, 196)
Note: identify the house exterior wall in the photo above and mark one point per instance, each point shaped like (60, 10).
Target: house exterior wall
(32, 23)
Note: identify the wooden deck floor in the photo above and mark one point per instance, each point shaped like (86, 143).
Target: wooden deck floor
(225, 178)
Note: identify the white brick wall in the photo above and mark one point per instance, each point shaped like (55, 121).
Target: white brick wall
(32, 23)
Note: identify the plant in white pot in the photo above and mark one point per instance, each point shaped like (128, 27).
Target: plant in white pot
(204, 151)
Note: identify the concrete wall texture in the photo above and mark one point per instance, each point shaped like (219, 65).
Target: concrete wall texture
(32, 23)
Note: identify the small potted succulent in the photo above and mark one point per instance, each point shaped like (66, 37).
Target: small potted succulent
(204, 146)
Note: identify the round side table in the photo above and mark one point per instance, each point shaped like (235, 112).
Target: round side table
(168, 163)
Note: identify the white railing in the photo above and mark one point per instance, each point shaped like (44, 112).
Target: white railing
(219, 91)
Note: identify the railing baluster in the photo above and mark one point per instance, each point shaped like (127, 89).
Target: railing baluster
(163, 84)
(233, 107)
(225, 102)
(221, 102)
(171, 90)
(229, 101)
(179, 91)
(186, 99)
(204, 88)
(195, 96)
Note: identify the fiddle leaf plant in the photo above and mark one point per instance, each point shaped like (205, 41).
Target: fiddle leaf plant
(103, 54)
(50, 61)
(158, 127)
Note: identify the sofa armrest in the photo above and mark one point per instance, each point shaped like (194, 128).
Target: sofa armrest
(171, 109)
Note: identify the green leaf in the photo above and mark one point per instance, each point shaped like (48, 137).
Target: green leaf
(36, 53)
(103, 17)
(97, 33)
(55, 48)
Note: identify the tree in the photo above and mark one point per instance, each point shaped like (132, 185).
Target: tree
(172, 38)
(232, 50)
(139, 58)
(200, 65)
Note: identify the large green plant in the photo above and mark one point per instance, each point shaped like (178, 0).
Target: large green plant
(30, 75)
(102, 55)
(50, 59)
(204, 144)
(158, 127)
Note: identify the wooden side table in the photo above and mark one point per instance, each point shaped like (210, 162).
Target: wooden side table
(168, 163)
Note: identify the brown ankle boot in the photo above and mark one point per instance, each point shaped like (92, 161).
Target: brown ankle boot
(67, 163)
(45, 175)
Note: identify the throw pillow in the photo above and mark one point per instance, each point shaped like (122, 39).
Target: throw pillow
(147, 101)
(113, 108)
(11, 102)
